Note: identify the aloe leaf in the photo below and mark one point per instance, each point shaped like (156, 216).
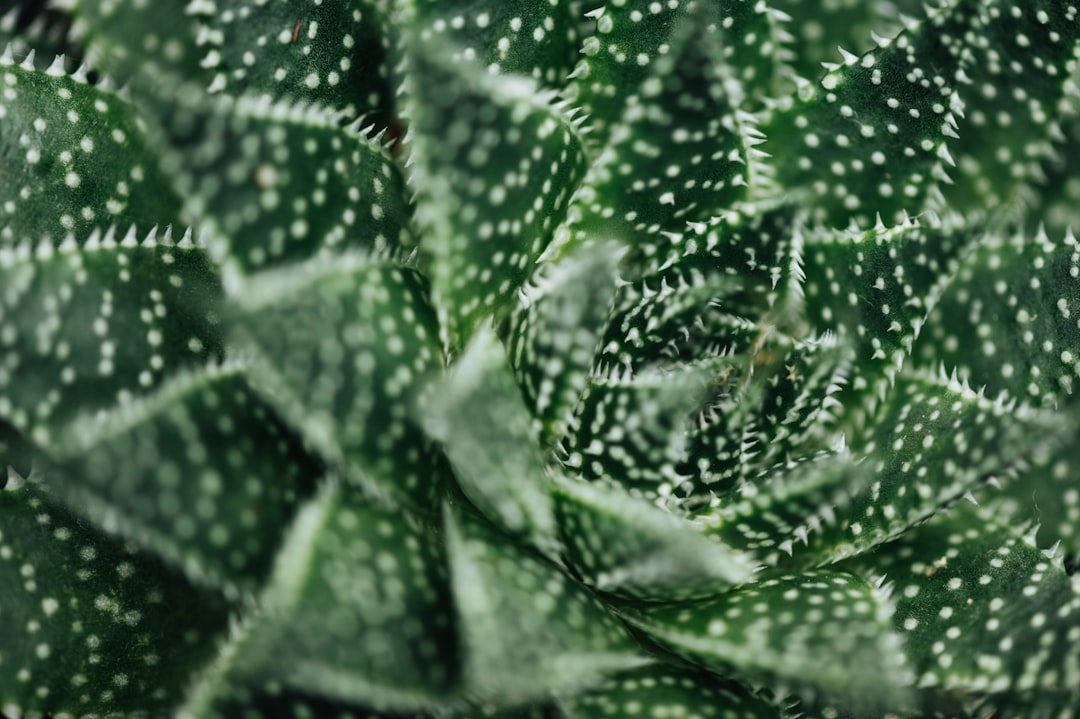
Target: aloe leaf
(682, 151)
(494, 165)
(330, 53)
(535, 38)
(89, 327)
(16, 455)
(777, 630)
(122, 35)
(628, 38)
(633, 428)
(553, 335)
(477, 413)
(627, 547)
(934, 441)
(275, 182)
(878, 286)
(75, 158)
(276, 702)
(816, 31)
(91, 626)
(869, 138)
(1007, 322)
(986, 614)
(1013, 84)
(341, 348)
(527, 628)
(358, 609)
(200, 472)
(672, 691)
(1048, 493)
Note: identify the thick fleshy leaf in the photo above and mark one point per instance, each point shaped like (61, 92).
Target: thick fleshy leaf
(330, 53)
(359, 609)
(817, 30)
(87, 328)
(877, 287)
(277, 183)
(632, 429)
(535, 38)
(868, 138)
(776, 631)
(200, 472)
(934, 441)
(553, 335)
(986, 614)
(485, 429)
(494, 164)
(528, 629)
(277, 702)
(340, 347)
(682, 151)
(1014, 78)
(1048, 493)
(1008, 322)
(74, 158)
(629, 37)
(627, 547)
(166, 35)
(669, 692)
(92, 627)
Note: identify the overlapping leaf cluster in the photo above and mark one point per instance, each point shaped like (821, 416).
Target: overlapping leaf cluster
(550, 358)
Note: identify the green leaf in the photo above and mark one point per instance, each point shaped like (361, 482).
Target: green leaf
(340, 347)
(628, 38)
(553, 334)
(986, 614)
(527, 628)
(276, 183)
(330, 53)
(92, 627)
(476, 412)
(359, 609)
(869, 138)
(494, 165)
(624, 546)
(633, 429)
(535, 38)
(1047, 493)
(683, 149)
(120, 36)
(73, 158)
(1007, 323)
(820, 632)
(1014, 77)
(200, 472)
(877, 287)
(668, 691)
(87, 328)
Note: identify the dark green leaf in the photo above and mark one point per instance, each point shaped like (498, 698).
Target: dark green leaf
(200, 472)
(536, 38)
(671, 692)
(495, 163)
(92, 327)
(277, 183)
(869, 138)
(341, 347)
(986, 613)
(478, 415)
(331, 53)
(1007, 323)
(820, 632)
(627, 547)
(553, 335)
(359, 609)
(92, 627)
(528, 629)
(73, 158)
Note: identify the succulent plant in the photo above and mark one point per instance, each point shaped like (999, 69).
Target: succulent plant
(539, 358)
